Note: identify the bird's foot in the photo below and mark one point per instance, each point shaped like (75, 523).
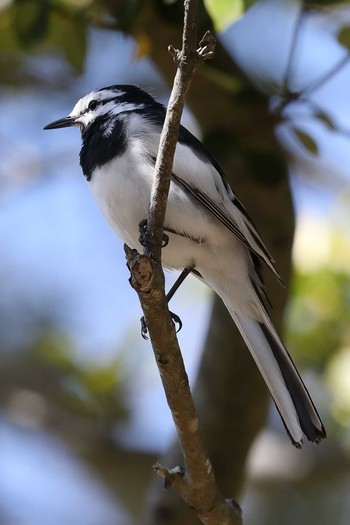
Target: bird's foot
(144, 235)
(174, 317)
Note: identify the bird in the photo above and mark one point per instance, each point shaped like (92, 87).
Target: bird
(209, 231)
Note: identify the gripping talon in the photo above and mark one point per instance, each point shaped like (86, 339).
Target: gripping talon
(144, 329)
(144, 235)
(177, 321)
(174, 317)
(165, 240)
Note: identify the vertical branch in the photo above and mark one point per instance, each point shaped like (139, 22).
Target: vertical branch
(187, 61)
(196, 483)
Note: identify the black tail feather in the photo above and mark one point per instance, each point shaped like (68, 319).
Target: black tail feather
(310, 421)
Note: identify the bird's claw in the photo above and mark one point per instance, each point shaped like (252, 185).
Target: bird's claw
(144, 329)
(174, 317)
(177, 321)
(165, 240)
(143, 233)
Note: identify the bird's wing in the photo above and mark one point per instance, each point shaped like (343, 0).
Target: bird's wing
(223, 205)
(218, 212)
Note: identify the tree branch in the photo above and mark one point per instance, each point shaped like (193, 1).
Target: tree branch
(196, 483)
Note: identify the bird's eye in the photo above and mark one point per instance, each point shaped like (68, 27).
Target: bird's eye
(93, 105)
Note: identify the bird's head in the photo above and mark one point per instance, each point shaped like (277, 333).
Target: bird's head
(104, 104)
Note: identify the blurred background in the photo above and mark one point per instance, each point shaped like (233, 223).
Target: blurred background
(82, 413)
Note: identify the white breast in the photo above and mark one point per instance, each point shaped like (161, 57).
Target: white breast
(122, 189)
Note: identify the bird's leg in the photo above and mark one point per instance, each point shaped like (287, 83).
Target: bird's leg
(185, 272)
(175, 318)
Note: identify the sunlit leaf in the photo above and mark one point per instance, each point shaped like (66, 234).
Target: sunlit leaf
(224, 12)
(100, 380)
(306, 140)
(318, 315)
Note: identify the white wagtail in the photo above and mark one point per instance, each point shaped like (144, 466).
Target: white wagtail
(208, 228)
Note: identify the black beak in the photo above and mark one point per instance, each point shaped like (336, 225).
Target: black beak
(61, 123)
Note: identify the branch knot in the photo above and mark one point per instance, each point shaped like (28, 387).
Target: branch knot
(205, 51)
(172, 477)
(141, 270)
(175, 53)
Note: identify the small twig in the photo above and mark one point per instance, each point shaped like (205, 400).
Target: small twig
(292, 50)
(289, 96)
(325, 77)
(196, 482)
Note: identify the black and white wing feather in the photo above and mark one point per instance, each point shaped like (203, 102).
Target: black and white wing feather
(228, 209)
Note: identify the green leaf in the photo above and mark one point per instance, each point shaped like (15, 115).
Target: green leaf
(249, 3)
(323, 4)
(31, 20)
(343, 37)
(224, 12)
(69, 33)
(222, 79)
(75, 46)
(100, 380)
(326, 119)
(306, 140)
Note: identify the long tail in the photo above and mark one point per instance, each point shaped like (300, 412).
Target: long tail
(289, 393)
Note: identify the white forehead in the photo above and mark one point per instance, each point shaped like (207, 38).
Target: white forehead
(109, 104)
(82, 105)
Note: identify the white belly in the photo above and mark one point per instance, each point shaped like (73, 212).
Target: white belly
(122, 191)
